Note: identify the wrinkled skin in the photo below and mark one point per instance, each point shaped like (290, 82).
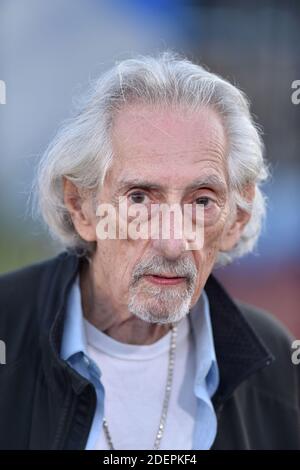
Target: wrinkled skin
(168, 150)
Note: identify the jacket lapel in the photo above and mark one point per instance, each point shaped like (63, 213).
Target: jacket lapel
(239, 350)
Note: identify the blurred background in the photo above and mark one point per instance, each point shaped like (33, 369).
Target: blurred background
(49, 51)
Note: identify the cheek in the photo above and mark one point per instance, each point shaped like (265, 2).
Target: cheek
(204, 263)
(118, 258)
(213, 235)
(114, 263)
(206, 257)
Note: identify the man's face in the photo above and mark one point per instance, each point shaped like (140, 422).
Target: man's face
(171, 156)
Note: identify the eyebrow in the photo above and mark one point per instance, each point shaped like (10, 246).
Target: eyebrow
(212, 181)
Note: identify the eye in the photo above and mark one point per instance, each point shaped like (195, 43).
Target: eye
(138, 197)
(203, 200)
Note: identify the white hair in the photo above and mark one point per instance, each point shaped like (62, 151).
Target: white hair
(82, 151)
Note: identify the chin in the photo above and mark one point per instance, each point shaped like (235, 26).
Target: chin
(160, 311)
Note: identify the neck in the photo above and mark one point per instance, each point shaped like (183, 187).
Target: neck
(114, 320)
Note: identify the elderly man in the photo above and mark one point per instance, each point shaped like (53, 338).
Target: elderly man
(128, 342)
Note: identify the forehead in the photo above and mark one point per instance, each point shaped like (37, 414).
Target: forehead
(169, 144)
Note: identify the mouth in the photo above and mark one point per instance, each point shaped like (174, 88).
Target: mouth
(165, 280)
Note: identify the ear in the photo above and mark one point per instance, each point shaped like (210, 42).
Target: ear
(80, 208)
(233, 232)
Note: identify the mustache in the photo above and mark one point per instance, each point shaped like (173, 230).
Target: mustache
(159, 265)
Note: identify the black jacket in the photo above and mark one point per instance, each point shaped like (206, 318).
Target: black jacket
(45, 404)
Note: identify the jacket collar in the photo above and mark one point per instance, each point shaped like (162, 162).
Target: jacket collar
(239, 350)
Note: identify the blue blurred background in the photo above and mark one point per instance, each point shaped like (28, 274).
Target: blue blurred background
(49, 51)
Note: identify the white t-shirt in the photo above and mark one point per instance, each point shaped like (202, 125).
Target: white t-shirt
(134, 379)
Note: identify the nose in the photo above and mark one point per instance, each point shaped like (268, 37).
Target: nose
(169, 240)
(171, 248)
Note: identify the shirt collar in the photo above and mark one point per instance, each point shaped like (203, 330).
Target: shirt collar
(74, 338)
(207, 367)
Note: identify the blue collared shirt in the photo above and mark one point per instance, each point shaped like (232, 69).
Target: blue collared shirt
(74, 351)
